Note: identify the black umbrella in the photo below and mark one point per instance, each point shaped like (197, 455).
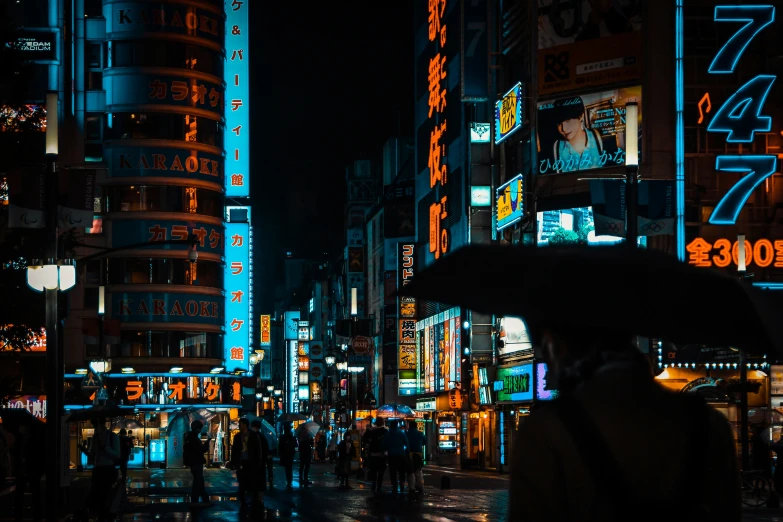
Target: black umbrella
(638, 291)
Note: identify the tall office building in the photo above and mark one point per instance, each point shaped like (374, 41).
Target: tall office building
(154, 112)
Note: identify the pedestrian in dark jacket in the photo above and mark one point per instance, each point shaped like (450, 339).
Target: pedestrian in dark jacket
(104, 449)
(395, 443)
(125, 452)
(416, 454)
(28, 456)
(654, 437)
(245, 459)
(373, 441)
(286, 449)
(193, 457)
(306, 444)
(255, 426)
(345, 451)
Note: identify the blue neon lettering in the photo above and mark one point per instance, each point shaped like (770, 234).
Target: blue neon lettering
(740, 115)
(757, 17)
(758, 168)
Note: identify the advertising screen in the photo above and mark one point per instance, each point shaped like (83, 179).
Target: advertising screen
(440, 342)
(515, 383)
(586, 43)
(584, 132)
(508, 113)
(515, 336)
(570, 226)
(543, 391)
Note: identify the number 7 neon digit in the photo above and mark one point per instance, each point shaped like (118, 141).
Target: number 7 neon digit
(758, 168)
(757, 18)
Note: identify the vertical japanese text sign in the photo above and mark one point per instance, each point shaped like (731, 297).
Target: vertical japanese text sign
(407, 315)
(438, 169)
(237, 76)
(237, 281)
(740, 116)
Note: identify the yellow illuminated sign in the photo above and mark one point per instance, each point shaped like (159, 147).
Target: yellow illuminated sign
(266, 331)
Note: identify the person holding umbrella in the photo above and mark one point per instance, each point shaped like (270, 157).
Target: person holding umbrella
(614, 444)
(286, 449)
(245, 458)
(193, 456)
(255, 427)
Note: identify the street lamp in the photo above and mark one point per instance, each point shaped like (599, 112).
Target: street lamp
(330, 359)
(51, 275)
(631, 171)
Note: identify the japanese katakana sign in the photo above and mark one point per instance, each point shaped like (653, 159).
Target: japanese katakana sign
(237, 77)
(237, 280)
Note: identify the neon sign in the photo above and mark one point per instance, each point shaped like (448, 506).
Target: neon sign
(722, 253)
(237, 280)
(509, 198)
(740, 116)
(407, 311)
(438, 169)
(237, 76)
(508, 113)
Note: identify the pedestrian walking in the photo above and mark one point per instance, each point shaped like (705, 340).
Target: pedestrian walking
(255, 426)
(333, 440)
(345, 453)
(615, 444)
(321, 446)
(416, 454)
(104, 449)
(193, 456)
(245, 459)
(286, 449)
(373, 441)
(395, 443)
(28, 456)
(126, 445)
(305, 459)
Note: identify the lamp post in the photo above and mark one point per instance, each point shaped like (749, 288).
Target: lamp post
(49, 276)
(631, 172)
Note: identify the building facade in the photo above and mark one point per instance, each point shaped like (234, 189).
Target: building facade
(153, 104)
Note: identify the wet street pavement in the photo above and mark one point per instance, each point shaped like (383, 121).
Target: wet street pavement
(163, 495)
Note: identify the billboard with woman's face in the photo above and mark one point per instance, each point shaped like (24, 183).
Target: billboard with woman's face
(584, 132)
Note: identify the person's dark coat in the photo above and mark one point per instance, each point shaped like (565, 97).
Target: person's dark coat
(286, 447)
(648, 430)
(194, 449)
(28, 454)
(253, 450)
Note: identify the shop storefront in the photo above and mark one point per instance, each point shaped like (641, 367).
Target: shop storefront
(440, 375)
(718, 384)
(514, 393)
(160, 409)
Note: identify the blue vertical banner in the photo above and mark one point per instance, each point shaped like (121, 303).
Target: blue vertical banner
(607, 196)
(237, 76)
(237, 281)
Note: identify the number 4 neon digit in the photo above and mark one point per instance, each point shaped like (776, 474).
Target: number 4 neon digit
(740, 115)
(758, 168)
(757, 18)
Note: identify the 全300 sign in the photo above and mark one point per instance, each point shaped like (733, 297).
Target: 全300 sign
(740, 116)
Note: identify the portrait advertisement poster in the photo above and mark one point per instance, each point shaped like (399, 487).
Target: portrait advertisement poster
(585, 132)
(584, 44)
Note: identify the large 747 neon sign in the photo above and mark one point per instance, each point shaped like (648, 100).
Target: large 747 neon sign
(740, 116)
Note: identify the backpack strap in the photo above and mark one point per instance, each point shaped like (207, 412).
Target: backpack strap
(597, 457)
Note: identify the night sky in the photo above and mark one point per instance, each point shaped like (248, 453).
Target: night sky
(332, 81)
